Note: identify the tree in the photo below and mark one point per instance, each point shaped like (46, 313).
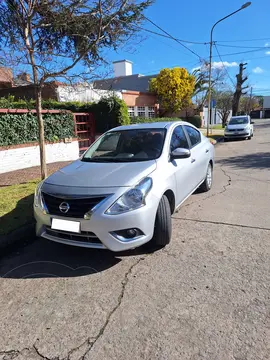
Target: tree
(248, 103)
(59, 38)
(174, 88)
(241, 79)
(201, 82)
(224, 104)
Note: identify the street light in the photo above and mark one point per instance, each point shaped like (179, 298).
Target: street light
(210, 61)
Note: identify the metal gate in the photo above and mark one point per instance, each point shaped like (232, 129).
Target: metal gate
(84, 129)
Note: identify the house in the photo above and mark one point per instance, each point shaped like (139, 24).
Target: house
(134, 89)
(266, 107)
(6, 78)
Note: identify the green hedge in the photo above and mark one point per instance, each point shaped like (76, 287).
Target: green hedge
(23, 128)
(108, 112)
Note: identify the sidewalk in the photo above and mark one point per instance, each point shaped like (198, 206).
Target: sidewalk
(25, 175)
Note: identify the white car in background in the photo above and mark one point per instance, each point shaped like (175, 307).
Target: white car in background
(122, 192)
(239, 127)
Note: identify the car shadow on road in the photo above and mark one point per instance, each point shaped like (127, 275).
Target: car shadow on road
(256, 161)
(42, 258)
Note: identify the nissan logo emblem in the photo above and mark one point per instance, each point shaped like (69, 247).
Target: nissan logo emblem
(64, 207)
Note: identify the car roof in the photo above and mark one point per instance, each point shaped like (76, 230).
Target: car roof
(151, 125)
(239, 116)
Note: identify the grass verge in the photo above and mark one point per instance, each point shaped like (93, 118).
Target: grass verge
(16, 206)
(215, 137)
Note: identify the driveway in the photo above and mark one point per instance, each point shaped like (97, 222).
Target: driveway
(205, 296)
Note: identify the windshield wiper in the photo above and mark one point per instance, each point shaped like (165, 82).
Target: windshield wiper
(104, 160)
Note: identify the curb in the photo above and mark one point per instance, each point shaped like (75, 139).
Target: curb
(17, 236)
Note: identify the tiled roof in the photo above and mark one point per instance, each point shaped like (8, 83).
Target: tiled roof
(132, 82)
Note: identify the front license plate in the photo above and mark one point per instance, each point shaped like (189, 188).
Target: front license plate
(66, 225)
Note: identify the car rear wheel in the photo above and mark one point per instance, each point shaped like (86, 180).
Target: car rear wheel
(207, 184)
(163, 225)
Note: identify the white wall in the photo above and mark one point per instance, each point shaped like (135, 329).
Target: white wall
(216, 118)
(25, 157)
(266, 102)
(83, 93)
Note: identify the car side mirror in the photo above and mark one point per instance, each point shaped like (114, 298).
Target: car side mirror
(180, 153)
(252, 122)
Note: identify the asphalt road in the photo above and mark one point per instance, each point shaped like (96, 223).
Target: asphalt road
(205, 296)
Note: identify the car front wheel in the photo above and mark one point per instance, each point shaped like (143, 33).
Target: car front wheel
(207, 184)
(163, 225)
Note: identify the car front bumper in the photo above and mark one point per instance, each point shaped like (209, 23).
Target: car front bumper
(101, 231)
(236, 135)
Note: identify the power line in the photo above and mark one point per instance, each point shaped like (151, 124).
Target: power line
(244, 52)
(244, 47)
(245, 40)
(224, 65)
(169, 37)
(172, 37)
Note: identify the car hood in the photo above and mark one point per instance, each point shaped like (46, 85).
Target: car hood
(98, 175)
(235, 127)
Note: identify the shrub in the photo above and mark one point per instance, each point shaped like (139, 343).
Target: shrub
(110, 112)
(195, 120)
(23, 128)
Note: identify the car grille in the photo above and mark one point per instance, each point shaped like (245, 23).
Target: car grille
(77, 207)
(84, 236)
(236, 130)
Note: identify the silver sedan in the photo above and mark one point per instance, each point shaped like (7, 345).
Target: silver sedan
(122, 192)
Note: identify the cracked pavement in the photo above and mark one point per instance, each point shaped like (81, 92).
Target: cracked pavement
(205, 296)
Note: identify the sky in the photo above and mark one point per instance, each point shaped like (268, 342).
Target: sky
(246, 32)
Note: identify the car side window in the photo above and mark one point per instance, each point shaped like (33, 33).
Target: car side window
(194, 135)
(179, 139)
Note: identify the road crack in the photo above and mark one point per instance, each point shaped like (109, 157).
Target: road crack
(221, 223)
(212, 195)
(91, 341)
(88, 344)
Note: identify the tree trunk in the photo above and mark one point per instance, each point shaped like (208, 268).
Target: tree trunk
(43, 165)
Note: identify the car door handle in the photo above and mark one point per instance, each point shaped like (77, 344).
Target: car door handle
(193, 160)
(207, 150)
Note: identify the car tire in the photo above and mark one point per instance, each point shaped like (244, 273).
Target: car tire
(225, 140)
(207, 184)
(163, 225)
(249, 138)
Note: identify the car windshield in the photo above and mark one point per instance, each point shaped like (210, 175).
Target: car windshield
(238, 121)
(127, 146)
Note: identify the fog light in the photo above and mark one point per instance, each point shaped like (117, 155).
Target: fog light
(131, 233)
(127, 234)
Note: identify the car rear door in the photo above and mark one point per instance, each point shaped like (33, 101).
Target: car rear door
(200, 154)
(181, 168)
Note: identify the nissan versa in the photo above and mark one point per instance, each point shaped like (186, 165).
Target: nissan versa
(122, 192)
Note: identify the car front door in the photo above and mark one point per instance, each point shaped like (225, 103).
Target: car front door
(200, 152)
(181, 167)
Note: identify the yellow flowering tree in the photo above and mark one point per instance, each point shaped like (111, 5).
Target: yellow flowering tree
(174, 88)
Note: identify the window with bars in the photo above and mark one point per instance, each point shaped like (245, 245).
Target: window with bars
(131, 111)
(151, 112)
(141, 111)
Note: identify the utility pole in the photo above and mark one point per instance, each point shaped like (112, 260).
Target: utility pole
(210, 62)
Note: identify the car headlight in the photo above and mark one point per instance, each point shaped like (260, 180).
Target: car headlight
(132, 199)
(38, 202)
